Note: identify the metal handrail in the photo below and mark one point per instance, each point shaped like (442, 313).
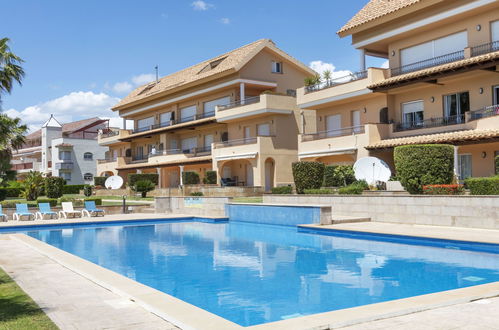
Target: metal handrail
(174, 122)
(490, 111)
(336, 81)
(431, 122)
(485, 48)
(353, 130)
(236, 142)
(246, 101)
(109, 133)
(431, 62)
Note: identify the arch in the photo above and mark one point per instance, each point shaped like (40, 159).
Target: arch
(107, 173)
(269, 170)
(88, 156)
(240, 170)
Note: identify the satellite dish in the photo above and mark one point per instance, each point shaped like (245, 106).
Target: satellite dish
(372, 170)
(114, 182)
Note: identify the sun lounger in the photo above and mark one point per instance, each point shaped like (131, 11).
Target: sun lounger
(22, 211)
(91, 210)
(3, 217)
(44, 209)
(68, 210)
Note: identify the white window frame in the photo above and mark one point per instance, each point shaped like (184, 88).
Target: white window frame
(85, 176)
(459, 111)
(460, 169)
(277, 67)
(413, 122)
(88, 158)
(65, 152)
(494, 28)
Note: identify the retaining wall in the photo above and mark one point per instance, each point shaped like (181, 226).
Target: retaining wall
(459, 211)
(198, 206)
(207, 190)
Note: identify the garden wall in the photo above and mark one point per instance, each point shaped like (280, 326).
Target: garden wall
(459, 211)
(208, 191)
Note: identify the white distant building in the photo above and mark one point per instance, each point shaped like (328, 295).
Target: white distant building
(67, 150)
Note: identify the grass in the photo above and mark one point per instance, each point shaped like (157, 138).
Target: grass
(248, 199)
(18, 310)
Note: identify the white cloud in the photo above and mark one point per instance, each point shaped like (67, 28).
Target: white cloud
(67, 108)
(144, 78)
(225, 20)
(385, 64)
(201, 5)
(320, 67)
(122, 87)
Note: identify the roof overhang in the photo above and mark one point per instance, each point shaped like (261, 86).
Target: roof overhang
(186, 125)
(329, 152)
(248, 155)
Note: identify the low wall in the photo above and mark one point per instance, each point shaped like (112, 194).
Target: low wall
(198, 206)
(459, 211)
(208, 191)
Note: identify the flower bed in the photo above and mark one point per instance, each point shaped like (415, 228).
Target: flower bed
(443, 189)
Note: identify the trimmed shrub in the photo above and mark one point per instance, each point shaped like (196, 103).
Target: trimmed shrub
(307, 175)
(483, 186)
(143, 187)
(190, 178)
(133, 178)
(13, 192)
(338, 175)
(210, 177)
(196, 193)
(11, 204)
(322, 191)
(497, 164)
(443, 189)
(87, 190)
(75, 201)
(282, 190)
(54, 186)
(355, 188)
(3, 194)
(97, 200)
(51, 201)
(72, 188)
(100, 180)
(424, 164)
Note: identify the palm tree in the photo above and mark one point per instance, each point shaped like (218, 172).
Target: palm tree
(10, 68)
(327, 75)
(11, 138)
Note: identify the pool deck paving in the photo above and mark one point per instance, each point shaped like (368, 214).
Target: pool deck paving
(75, 301)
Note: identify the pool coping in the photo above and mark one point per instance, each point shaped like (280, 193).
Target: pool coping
(181, 313)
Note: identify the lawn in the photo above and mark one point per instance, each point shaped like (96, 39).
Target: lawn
(18, 310)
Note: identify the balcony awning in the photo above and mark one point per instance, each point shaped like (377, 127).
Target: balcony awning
(248, 155)
(329, 152)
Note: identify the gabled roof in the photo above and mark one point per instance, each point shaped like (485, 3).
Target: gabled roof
(375, 9)
(69, 127)
(218, 66)
(52, 122)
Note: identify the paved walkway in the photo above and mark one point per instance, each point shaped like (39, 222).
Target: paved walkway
(71, 300)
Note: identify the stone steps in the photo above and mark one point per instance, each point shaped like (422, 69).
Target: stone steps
(338, 219)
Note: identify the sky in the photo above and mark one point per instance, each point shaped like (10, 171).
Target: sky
(82, 56)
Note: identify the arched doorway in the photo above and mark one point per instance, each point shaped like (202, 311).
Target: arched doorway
(269, 173)
(107, 173)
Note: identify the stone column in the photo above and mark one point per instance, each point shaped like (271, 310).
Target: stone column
(241, 92)
(160, 177)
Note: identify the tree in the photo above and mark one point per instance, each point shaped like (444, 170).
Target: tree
(10, 68)
(11, 137)
(327, 75)
(33, 184)
(143, 187)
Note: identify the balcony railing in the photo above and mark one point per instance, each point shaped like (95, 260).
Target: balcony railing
(190, 151)
(140, 158)
(448, 58)
(104, 161)
(489, 111)
(428, 123)
(337, 81)
(174, 122)
(65, 165)
(237, 142)
(249, 100)
(485, 48)
(109, 133)
(333, 133)
(23, 166)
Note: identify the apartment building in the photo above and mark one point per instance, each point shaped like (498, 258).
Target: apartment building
(235, 114)
(442, 85)
(66, 150)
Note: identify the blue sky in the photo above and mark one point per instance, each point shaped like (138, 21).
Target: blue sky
(82, 56)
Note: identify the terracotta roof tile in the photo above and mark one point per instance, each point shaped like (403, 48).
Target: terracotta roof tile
(375, 9)
(448, 137)
(436, 69)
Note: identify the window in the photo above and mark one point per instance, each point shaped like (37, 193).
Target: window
(65, 155)
(187, 113)
(189, 144)
(208, 140)
(333, 125)
(65, 175)
(494, 31)
(88, 156)
(263, 130)
(496, 95)
(455, 105)
(166, 118)
(276, 67)
(145, 124)
(413, 113)
(356, 121)
(209, 107)
(212, 65)
(464, 166)
(88, 176)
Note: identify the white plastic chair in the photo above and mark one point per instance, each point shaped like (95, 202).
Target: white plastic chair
(68, 210)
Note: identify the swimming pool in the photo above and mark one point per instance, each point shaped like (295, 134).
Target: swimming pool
(255, 273)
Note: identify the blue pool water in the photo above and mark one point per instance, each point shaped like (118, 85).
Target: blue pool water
(255, 273)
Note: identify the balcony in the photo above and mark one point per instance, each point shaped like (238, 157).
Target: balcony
(256, 106)
(22, 166)
(174, 122)
(429, 123)
(337, 81)
(439, 60)
(246, 148)
(333, 133)
(64, 165)
(489, 111)
(485, 48)
(108, 137)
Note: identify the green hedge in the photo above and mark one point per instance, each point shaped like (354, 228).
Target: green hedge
(497, 164)
(425, 164)
(196, 193)
(483, 186)
(13, 192)
(100, 180)
(308, 175)
(210, 177)
(338, 175)
(51, 201)
(322, 191)
(3, 194)
(283, 190)
(75, 201)
(153, 177)
(190, 177)
(355, 188)
(11, 204)
(97, 200)
(72, 188)
(54, 186)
